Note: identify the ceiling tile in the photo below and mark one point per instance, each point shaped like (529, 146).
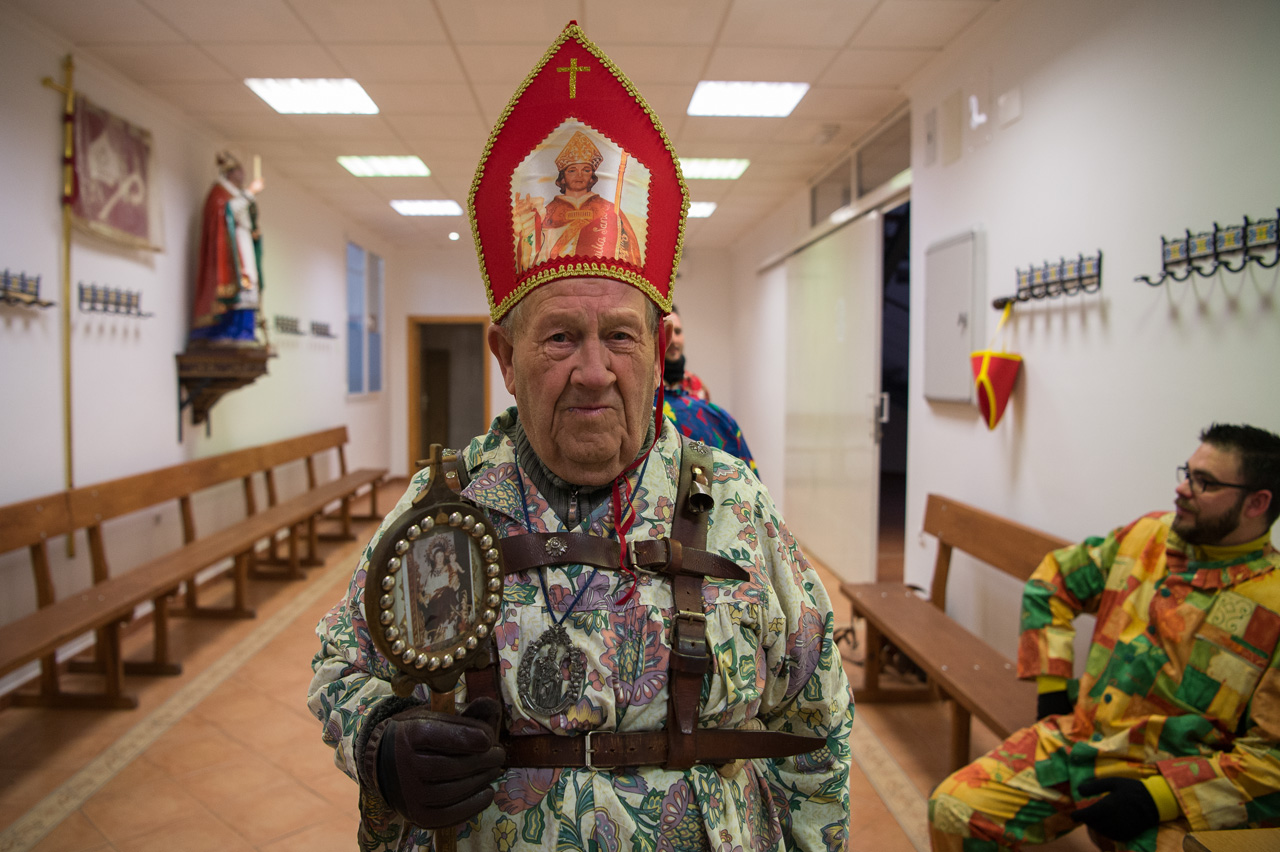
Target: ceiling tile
(163, 63)
(653, 64)
(101, 22)
(422, 98)
(810, 134)
(260, 21)
(775, 64)
(814, 23)
(275, 127)
(609, 23)
(499, 63)
(534, 22)
(275, 60)
(708, 128)
(399, 63)
(830, 104)
(371, 128)
(213, 98)
(918, 23)
(668, 101)
(389, 21)
(876, 68)
(415, 128)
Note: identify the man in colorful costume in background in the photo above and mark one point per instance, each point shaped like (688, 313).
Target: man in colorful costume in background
(674, 375)
(229, 277)
(708, 672)
(687, 403)
(1176, 724)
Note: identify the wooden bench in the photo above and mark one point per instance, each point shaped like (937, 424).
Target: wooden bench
(977, 679)
(109, 604)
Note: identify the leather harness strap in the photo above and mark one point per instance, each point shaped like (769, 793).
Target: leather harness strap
(664, 556)
(606, 749)
(690, 658)
(684, 559)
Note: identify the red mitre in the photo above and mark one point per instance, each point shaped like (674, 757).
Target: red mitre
(578, 180)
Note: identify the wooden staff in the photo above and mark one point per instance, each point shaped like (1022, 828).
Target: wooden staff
(67, 89)
(617, 202)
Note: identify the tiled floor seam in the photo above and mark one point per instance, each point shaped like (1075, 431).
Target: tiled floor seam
(33, 826)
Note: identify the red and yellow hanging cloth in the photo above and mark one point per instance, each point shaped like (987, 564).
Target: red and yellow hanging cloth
(994, 375)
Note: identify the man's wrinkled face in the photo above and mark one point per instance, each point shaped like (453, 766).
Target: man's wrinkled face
(577, 177)
(582, 364)
(1211, 515)
(675, 337)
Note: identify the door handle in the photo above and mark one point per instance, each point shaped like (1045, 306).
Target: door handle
(883, 413)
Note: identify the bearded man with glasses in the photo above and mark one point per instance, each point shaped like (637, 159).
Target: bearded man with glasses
(1174, 724)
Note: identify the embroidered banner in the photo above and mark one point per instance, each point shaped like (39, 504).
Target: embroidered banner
(111, 189)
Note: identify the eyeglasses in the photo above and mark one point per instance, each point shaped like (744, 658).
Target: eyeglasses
(1201, 483)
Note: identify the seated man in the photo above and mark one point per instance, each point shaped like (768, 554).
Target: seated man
(1177, 720)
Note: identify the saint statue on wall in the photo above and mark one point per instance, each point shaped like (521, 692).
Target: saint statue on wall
(228, 295)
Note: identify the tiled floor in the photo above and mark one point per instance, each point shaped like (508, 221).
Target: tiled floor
(226, 757)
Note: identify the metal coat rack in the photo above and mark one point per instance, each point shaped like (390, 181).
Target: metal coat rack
(22, 289)
(106, 300)
(288, 325)
(1208, 252)
(1067, 277)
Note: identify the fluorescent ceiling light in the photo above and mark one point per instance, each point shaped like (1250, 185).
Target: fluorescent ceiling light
(313, 96)
(385, 166)
(695, 169)
(769, 100)
(423, 207)
(701, 209)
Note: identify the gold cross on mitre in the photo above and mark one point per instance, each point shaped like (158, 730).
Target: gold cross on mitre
(573, 68)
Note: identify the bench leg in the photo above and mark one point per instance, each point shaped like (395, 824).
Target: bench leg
(871, 659)
(313, 543)
(959, 736)
(344, 518)
(159, 664)
(373, 505)
(112, 697)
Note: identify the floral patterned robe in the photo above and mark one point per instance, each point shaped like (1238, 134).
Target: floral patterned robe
(773, 660)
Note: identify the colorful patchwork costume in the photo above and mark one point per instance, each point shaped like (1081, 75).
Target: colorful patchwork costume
(1182, 681)
(706, 422)
(773, 664)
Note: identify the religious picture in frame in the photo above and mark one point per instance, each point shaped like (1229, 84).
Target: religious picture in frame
(438, 578)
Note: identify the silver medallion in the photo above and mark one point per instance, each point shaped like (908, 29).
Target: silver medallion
(556, 546)
(551, 673)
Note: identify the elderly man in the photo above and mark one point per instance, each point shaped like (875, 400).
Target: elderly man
(706, 684)
(1176, 726)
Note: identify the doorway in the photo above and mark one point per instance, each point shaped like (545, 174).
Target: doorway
(895, 348)
(448, 399)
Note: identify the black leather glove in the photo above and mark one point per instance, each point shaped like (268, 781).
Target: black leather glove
(435, 769)
(1053, 704)
(1123, 813)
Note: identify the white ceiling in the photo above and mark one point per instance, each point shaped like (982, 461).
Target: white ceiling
(441, 71)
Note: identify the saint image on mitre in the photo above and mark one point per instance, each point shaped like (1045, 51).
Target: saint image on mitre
(576, 222)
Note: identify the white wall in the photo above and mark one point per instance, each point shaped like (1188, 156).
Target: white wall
(1139, 119)
(124, 377)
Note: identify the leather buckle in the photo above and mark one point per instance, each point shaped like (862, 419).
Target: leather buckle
(633, 561)
(586, 750)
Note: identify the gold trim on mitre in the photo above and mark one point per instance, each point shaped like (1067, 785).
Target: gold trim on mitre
(499, 309)
(579, 150)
